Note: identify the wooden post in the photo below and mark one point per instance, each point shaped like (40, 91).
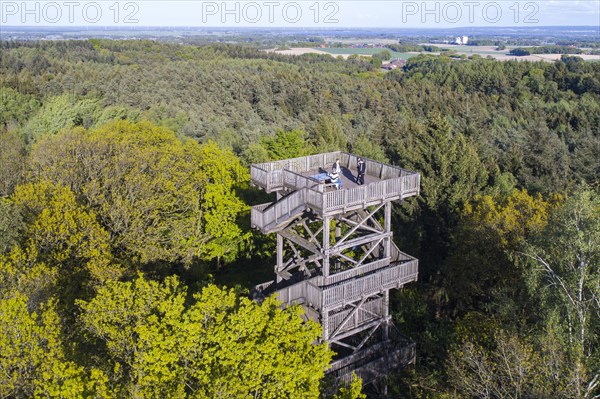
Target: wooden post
(325, 324)
(279, 264)
(388, 229)
(338, 234)
(326, 221)
(385, 311)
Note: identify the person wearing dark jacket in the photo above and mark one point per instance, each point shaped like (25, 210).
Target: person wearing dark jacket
(361, 167)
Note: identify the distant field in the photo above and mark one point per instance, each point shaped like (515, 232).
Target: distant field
(504, 55)
(483, 51)
(345, 51)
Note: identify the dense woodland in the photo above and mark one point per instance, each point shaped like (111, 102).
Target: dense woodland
(126, 254)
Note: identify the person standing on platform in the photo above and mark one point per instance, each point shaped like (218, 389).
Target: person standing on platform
(361, 167)
(336, 167)
(335, 174)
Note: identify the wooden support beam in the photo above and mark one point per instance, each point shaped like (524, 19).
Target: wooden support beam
(388, 229)
(293, 237)
(340, 343)
(375, 245)
(338, 248)
(349, 259)
(369, 335)
(360, 223)
(325, 245)
(357, 330)
(363, 227)
(279, 266)
(347, 318)
(313, 237)
(325, 324)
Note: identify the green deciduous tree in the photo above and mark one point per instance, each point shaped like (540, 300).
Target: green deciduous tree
(12, 161)
(161, 199)
(32, 359)
(488, 230)
(329, 135)
(285, 145)
(62, 233)
(219, 346)
(477, 373)
(563, 269)
(512, 368)
(220, 173)
(11, 223)
(352, 391)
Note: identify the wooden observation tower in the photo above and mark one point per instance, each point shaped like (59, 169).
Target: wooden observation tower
(336, 257)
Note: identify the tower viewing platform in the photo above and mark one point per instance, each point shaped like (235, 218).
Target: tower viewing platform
(298, 176)
(336, 256)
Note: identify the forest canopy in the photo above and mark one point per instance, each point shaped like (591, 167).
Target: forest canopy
(124, 201)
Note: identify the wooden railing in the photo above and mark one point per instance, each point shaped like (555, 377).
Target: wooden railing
(334, 201)
(369, 311)
(400, 187)
(373, 361)
(270, 180)
(265, 215)
(353, 287)
(395, 183)
(354, 272)
(391, 277)
(293, 294)
(314, 162)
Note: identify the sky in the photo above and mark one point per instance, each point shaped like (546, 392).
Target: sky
(302, 13)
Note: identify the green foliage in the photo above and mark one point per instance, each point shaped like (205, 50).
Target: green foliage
(352, 391)
(220, 173)
(329, 136)
(563, 270)
(62, 233)
(509, 220)
(368, 148)
(520, 52)
(220, 346)
(478, 270)
(286, 145)
(451, 172)
(61, 112)
(161, 199)
(21, 273)
(512, 369)
(32, 359)
(15, 108)
(376, 61)
(383, 55)
(255, 153)
(12, 161)
(11, 223)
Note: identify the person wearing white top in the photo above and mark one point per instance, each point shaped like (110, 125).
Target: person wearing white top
(335, 174)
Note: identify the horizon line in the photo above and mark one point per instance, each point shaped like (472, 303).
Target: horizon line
(594, 27)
